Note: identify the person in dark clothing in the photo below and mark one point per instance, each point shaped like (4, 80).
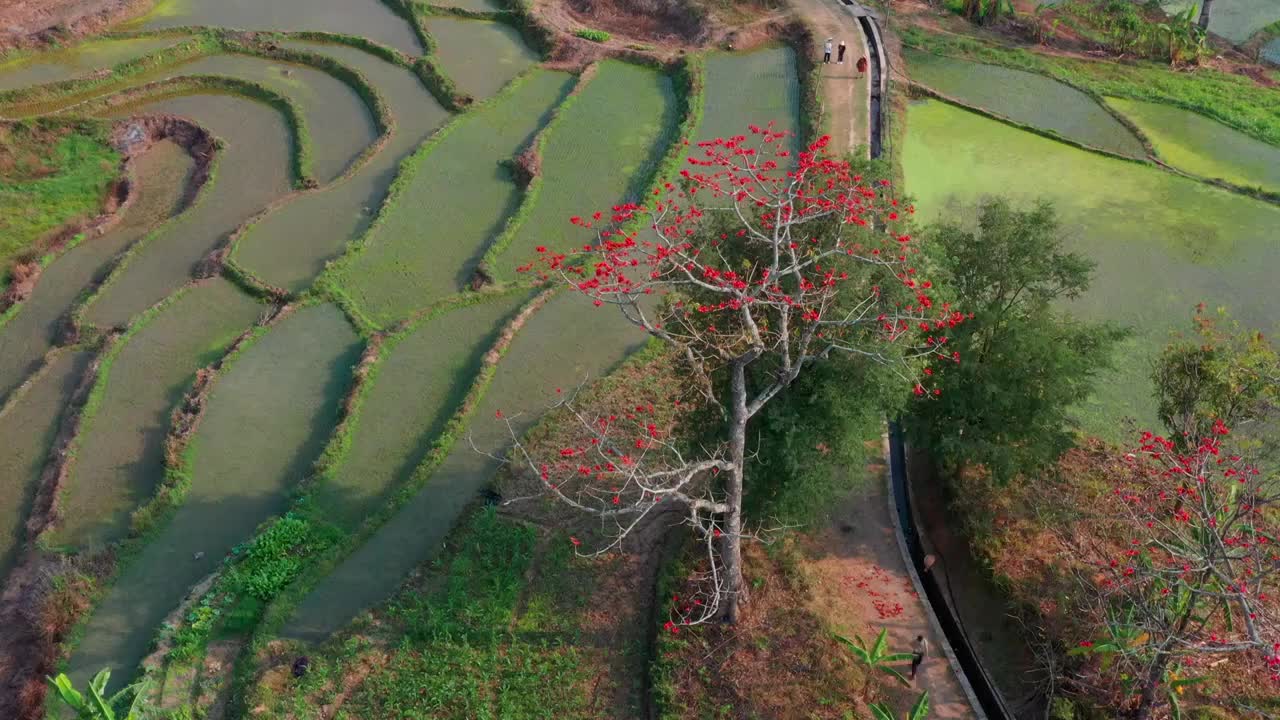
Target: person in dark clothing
(840, 53)
(919, 649)
(826, 51)
(862, 64)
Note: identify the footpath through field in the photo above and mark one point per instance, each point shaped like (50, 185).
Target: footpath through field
(860, 578)
(845, 91)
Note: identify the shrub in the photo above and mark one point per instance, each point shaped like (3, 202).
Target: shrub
(599, 36)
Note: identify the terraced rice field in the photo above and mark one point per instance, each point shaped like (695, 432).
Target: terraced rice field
(1204, 147)
(120, 448)
(1025, 97)
(28, 423)
(749, 88)
(455, 199)
(229, 329)
(34, 327)
(1162, 243)
(624, 108)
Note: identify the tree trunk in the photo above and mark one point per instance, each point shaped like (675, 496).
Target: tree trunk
(1204, 14)
(1147, 701)
(732, 550)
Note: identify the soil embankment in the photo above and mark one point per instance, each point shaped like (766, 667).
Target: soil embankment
(37, 23)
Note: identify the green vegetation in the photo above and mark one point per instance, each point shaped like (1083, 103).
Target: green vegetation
(406, 260)
(99, 706)
(1127, 28)
(1162, 243)
(1024, 365)
(625, 111)
(599, 36)
(474, 638)
(876, 656)
(51, 173)
(1027, 98)
(78, 60)
(1200, 146)
(1234, 100)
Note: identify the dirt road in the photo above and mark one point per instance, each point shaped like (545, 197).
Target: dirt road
(845, 91)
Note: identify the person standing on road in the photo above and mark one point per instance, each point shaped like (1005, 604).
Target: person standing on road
(826, 51)
(919, 649)
(840, 53)
(862, 64)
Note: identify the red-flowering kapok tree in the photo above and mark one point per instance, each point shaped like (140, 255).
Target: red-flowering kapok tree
(755, 263)
(1199, 573)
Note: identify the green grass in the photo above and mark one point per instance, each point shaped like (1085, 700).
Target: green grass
(1027, 98)
(1203, 147)
(449, 199)
(599, 36)
(601, 150)
(1163, 243)
(119, 452)
(267, 419)
(1236, 20)
(51, 173)
(464, 647)
(749, 88)
(1232, 99)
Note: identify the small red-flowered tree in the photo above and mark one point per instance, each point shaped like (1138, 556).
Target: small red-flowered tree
(1196, 571)
(757, 262)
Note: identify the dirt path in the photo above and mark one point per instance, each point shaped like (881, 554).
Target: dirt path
(845, 91)
(860, 585)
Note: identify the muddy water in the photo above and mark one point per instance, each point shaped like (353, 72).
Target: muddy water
(162, 174)
(368, 18)
(756, 87)
(254, 168)
(289, 247)
(1196, 144)
(418, 387)
(1162, 243)
(28, 424)
(480, 56)
(120, 450)
(1026, 97)
(267, 419)
(75, 61)
(525, 383)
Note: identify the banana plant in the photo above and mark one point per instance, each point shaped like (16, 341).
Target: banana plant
(98, 706)
(919, 711)
(877, 657)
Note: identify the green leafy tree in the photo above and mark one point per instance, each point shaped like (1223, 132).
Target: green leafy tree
(1025, 363)
(97, 706)
(877, 656)
(1217, 372)
(918, 711)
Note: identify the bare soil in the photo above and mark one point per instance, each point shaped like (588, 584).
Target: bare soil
(38, 23)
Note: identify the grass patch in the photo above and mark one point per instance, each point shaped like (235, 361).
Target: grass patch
(774, 95)
(51, 173)
(599, 36)
(1234, 100)
(479, 56)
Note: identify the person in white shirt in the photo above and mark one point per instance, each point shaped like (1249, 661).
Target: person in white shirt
(826, 51)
